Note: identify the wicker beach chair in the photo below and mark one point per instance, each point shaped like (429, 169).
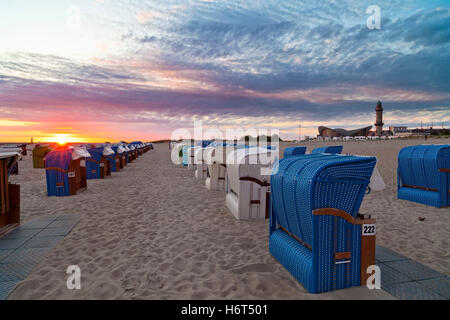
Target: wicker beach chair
(185, 154)
(97, 166)
(120, 157)
(215, 157)
(294, 151)
(39, 153)
(423, 175)
(201, 167)
(315, 230)
(65, 172)
(329, 149)
(247, 185)
(113, 158)
(191, 157)
(9, 193)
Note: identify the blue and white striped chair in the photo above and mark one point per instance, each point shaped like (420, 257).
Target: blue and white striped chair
(315, 230)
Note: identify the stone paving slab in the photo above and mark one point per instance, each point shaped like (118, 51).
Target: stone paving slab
(407, 279)
(25, 247)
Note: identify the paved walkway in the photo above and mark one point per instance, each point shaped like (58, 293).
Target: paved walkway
(26, 246)
(407, 279)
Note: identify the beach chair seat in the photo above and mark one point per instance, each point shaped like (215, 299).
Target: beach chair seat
(329, 149)
(294, 151)
(316, 232)
(423, 175)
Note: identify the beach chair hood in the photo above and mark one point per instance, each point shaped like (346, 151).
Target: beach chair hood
(80, 152)
(305, 183)
(294, 151)
(108, 151)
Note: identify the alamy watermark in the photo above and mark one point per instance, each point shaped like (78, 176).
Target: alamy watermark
(374, 20)
(74, 18)
(74, 280)
(232, 146)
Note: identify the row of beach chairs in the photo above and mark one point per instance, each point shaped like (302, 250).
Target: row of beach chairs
(313, 201)
(69, 168)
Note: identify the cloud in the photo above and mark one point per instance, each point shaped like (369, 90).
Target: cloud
(230, 60)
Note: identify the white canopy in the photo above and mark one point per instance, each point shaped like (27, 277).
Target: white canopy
(108, 151)
(6, 155)
(80, 152)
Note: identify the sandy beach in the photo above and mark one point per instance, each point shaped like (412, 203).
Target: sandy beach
(152, 231)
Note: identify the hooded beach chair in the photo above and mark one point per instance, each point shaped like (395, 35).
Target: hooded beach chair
(329, 149)
(177, 155)
(39, 153)
(125, 155)
(65, 171)
(97, 166)
(316, 232)
(185, 155)
(200, 163)
(138, 147)
(9, 193)
(423, 175)
(294, 151)
(248, 184)
(191, 156)
(216, 168)
(113, 158)
(120, 157)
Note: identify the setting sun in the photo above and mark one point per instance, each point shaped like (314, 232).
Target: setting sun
(63, 138)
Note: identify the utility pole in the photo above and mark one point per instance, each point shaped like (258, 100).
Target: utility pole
(299, 131)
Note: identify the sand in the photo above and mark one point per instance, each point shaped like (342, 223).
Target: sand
(154, 232)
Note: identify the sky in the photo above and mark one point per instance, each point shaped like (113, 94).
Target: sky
(110, 70)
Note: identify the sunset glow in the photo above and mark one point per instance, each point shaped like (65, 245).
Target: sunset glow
(140, 70)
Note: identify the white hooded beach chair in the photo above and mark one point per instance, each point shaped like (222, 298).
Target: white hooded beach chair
(248, 186)
(201, 166)
(191, 155)
(216, 158)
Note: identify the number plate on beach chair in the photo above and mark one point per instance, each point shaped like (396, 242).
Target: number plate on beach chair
(368, 229)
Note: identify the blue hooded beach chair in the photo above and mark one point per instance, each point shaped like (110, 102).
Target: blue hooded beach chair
(120, 158)
(114, 160)
(315, 230)
(329, 149)
(185, 156)
(97, 167)
(423, 175)
(64, 175)
(294, 151)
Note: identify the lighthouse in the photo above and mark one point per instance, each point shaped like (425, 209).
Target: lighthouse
(379, 124)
